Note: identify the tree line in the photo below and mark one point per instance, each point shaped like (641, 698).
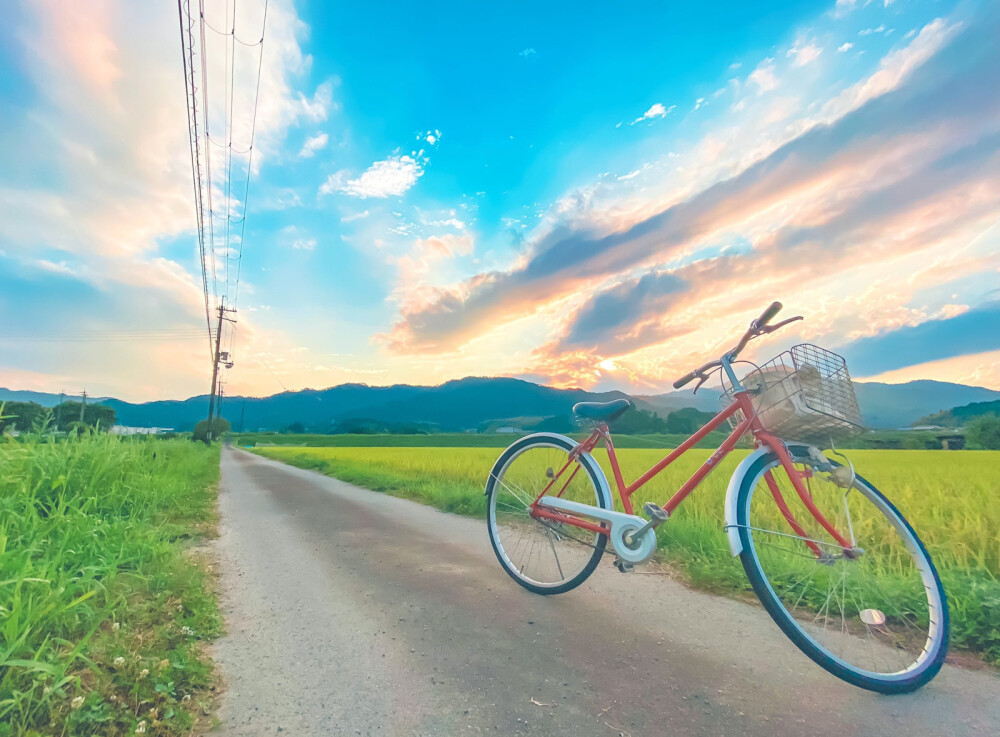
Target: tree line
(64, 417)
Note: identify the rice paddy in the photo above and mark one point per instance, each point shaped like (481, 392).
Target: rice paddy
(948, 497)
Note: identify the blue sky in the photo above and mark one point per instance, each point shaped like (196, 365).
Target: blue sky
(582, 196)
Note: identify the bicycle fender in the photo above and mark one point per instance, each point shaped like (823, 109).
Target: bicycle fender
(736, 483)
(732, 496)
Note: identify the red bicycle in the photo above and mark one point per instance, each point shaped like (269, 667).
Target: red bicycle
(833, 562)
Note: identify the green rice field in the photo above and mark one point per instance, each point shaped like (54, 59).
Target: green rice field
(950, 498)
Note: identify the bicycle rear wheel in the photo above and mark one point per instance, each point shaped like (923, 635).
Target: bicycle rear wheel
(544, 556)
(875, 616)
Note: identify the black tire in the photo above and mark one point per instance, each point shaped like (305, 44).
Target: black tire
(931, 658)
(579, 539)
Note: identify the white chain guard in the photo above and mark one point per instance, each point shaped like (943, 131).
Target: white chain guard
(621, 525)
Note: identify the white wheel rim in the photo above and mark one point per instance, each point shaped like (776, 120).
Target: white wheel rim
(495, 532)
(935, 603)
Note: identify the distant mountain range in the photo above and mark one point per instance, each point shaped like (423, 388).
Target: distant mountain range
(471, 402)
(960, 416)
(900, 405)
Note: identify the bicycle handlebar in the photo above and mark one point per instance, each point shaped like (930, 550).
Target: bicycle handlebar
(757, 328)
(768, 314)
(697, 373)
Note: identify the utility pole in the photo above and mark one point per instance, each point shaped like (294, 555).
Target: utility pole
(83, 405)
(215, 366)
(59, 409)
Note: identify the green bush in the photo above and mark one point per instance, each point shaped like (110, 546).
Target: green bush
(220, 426)
(983, 432)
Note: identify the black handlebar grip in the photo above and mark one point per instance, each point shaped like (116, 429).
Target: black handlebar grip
(684, 380)
(769, 314)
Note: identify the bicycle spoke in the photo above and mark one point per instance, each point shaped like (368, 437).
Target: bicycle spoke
(867, 605)
(567, 552)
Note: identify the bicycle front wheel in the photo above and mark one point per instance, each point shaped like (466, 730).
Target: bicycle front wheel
(874, 614)
(542, 555)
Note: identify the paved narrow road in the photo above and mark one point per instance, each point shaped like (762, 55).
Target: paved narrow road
(356, 613)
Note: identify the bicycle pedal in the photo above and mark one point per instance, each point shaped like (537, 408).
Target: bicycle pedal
(622, 566)
(657, 514)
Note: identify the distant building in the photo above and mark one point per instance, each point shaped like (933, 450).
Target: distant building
(125, 430)
(952, 442)
(508, 430)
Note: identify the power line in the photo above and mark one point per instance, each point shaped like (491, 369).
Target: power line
(225, 296)
(253, 132)
(106, 336)
(231, 77)
(232, 33)
(208, 149)
(191, 99)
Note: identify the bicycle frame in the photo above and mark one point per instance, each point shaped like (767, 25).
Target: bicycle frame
(741, 403)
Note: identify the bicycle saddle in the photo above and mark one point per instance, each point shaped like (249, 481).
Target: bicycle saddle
(601, 411)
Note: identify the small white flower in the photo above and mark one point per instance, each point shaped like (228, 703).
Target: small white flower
(119, 661)
(153, 713)
(164, 663)
(77, 702)
(144, 672)
(185, 630)
(185, 698)
(116, 626)
(140, 728)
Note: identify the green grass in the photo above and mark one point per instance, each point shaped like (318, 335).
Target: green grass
(949, 498)
(103, 609)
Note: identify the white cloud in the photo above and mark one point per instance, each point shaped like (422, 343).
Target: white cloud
(312, 145)
(428, 262)
(356, 216)
(804, 54)
(847, 46)
(657, 110)
(292, 236)
(391, 177)
(451, 222)
(700, 102)
(895, 67)
(870, 31)
(431, 137)
(527, 53)
(763, 76)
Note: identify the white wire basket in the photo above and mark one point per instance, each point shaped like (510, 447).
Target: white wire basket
(803, 394)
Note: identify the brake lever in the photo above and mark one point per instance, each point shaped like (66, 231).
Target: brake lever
(704, 378)
(771, 328)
